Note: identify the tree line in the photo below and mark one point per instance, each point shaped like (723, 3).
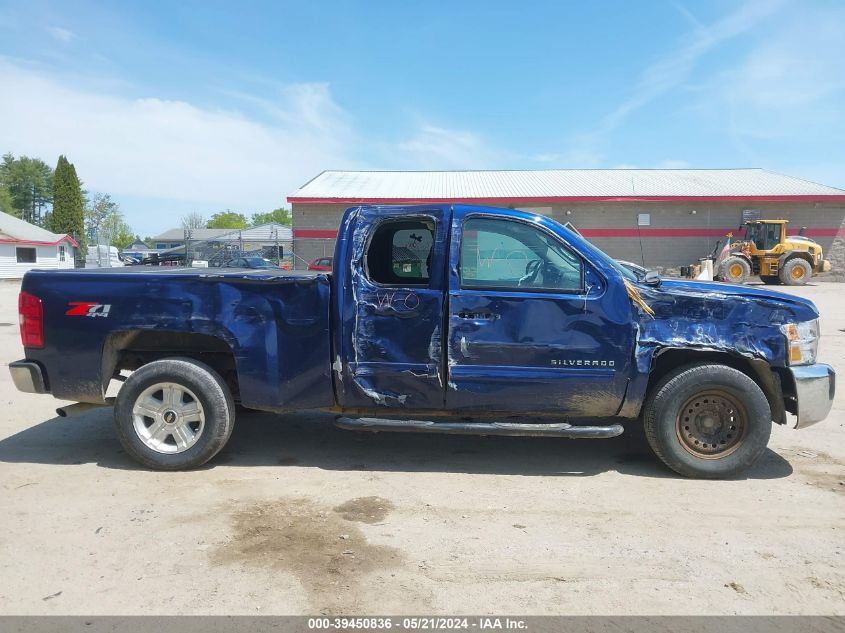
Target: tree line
(53, 198)
(233, 220)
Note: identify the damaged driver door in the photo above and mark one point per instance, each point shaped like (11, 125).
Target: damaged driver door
(390, 349)
(528, 325)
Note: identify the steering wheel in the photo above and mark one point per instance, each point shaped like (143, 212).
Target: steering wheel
(532, 269)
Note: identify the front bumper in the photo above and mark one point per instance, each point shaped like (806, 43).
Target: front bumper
(815, 386)
(28, 377)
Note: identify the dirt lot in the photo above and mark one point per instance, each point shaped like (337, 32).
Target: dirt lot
(296, 516)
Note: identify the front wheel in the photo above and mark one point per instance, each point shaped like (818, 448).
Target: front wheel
(174, 414)
(707, 421)
(796, 272)
(736, 270)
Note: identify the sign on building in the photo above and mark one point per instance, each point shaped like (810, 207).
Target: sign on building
(749, 215)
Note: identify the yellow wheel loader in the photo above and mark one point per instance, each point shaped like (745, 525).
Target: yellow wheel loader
(767, 251)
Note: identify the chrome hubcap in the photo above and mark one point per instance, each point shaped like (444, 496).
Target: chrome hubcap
(711, 424)
(168, 418)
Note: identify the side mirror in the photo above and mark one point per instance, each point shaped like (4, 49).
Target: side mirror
(651, 278)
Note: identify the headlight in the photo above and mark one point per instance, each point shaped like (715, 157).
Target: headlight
(802, 341)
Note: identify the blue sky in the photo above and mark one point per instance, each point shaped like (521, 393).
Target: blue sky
(202, 106)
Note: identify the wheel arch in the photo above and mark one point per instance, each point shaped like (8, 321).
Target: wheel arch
(789, 255)
(741, 255)
(767, 378)
(129, 350)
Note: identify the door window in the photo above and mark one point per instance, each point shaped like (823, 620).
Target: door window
(399, 253)
(509, 255)
(772, 236)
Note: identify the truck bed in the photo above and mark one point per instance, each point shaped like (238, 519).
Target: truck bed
(274, 324)
(182, 271)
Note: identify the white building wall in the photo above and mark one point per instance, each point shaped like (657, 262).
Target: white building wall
(46, 257)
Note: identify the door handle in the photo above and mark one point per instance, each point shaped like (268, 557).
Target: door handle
(478, 316)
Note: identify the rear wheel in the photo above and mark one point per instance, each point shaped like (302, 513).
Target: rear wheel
(796, 272)
(770, 280)
(174, 414)
(708, 421)
(736, 270)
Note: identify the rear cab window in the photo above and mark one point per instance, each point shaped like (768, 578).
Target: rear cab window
(400, 251)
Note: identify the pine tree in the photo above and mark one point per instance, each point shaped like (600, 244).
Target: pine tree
(68, 214)
(26, 187)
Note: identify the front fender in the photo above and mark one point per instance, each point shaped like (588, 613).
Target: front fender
(711, 319)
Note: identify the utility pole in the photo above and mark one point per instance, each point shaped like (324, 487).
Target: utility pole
(188, 235)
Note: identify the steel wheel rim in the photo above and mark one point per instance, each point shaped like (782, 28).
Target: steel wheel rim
(797, 272)
(711, 424)
(736, 271)
(168, 418)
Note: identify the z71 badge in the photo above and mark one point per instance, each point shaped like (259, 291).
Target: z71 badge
(88, 308)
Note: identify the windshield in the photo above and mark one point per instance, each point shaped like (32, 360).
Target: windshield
(626, 273)
(751, 232)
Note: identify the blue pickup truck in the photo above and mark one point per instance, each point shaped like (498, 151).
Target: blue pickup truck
(435, 319)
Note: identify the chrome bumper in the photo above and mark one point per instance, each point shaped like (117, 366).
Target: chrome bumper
(27, 376)
(815, 386)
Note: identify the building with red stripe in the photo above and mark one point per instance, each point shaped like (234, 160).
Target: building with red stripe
(24, 246)
(662, 218)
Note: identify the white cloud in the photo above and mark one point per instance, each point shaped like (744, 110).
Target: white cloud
(433, 147)
(791, 86)
(167, 156)
(671, 163)
(577, 156)
(688, 16)
(676, 66)
(174, 150)
(663, 164)
(62, 35)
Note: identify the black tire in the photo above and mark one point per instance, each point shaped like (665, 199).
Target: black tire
(735, 269)
(770, 280)
(677, 415)
(199, 381)
(796, 272)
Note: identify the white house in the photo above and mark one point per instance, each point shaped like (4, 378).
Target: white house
(24, 246)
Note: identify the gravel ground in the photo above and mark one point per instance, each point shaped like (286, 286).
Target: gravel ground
(296, 517)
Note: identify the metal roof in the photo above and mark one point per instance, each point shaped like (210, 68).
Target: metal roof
(14, 229)
(178, 235)
(262, 232)
(558, 185)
